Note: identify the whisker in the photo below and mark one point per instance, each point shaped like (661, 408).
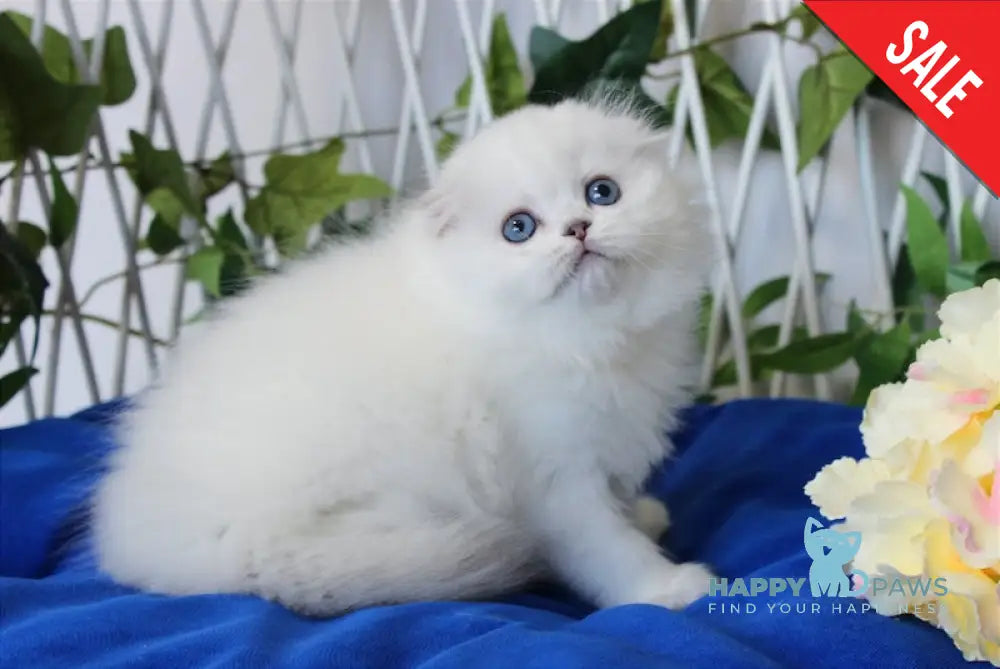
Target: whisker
(630, 235)
(633, 251)
(633, 256)
(646, 252)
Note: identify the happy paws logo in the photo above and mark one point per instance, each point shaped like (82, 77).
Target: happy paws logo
(831, 580)
(831, 551)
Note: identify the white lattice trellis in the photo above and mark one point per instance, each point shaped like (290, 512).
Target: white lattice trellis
(377, 72)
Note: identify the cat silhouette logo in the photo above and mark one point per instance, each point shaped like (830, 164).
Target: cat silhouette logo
(831, 551)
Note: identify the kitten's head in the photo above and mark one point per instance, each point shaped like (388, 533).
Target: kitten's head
(553, 214)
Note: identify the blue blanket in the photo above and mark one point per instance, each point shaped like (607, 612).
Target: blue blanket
(735, 494)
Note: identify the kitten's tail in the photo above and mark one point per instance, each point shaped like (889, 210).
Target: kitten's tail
(326, 574)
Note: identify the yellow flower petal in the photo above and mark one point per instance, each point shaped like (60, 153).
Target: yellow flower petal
(974, 537)
(959, 618)
(841, 482)
(892, 520)
(984, 457)
(962, 368)
(917, 410)
(942, 557)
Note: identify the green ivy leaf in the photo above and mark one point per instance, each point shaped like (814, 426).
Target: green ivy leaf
(338, 225)
(162, 237)
(234, 275)
(691, 9)
(940, 187)
(301, 189)
(769, 292)
(463, 94)
(962, 276)
(726, 374)
(763, 338)
(62, 222)
(906, 293)
(230, 233)
(237, 266)
(32, 237)
(882, 358)
(727, 103)
(161, 178)
(504, 80)
(618, 51)
(988, 270)
(826, 91)
(664, 29)
(217, 175)
(166, 205)
(543, 44)
(205, 265)
(117, 80)
(878, 89)
(809, 22)
(54, 49)
(448, 142)
(11, 384)
(36, 110)
(704, 317)
(10, 129)
(975, 247)
(927, 245)
(856, 323)
(764, 295)
(813, 355)
(22, 287)
(766, 338)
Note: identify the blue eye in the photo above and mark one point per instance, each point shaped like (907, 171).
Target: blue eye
(603, 192)
(519, 227)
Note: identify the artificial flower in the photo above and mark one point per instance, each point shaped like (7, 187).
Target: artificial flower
(926, 499)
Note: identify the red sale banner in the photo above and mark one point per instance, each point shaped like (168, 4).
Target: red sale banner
(942, 58)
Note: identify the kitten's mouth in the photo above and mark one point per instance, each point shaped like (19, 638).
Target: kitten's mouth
(579, 267)
(583, 257)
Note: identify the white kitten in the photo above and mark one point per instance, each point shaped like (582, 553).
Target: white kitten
(467, 400)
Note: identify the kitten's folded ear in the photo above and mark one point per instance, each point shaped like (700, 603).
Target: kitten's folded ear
(437, 212)
(657, 144)
(659, 139)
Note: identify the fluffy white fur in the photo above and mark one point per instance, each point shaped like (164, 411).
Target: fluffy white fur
(434, 412)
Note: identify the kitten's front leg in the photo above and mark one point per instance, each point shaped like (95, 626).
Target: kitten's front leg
(591, 544)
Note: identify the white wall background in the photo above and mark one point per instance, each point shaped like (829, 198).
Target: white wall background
(350, 46)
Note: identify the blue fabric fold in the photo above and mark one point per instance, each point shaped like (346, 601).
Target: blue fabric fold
(734, 489)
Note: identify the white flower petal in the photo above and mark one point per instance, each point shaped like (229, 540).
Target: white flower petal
(926, 500)
(973, 535)
(966, 311)
(841, 482)
(917, 410)
(984, 457)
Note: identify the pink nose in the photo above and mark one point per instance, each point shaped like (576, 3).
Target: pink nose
(577, 229)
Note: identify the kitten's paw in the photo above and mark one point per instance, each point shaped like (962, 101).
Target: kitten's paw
(679, 586)
(650, 515)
